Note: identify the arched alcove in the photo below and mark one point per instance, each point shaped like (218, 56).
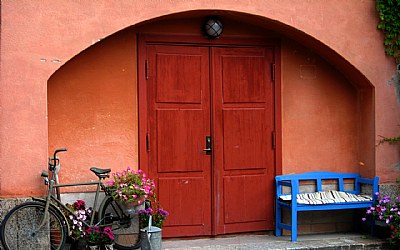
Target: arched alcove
(326, 119)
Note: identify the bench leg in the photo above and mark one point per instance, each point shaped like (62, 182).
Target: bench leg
(294, 225)
(278, 220)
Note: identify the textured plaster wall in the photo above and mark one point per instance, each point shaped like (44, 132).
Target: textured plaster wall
(38, 37)
(92, 109)
(319, 114)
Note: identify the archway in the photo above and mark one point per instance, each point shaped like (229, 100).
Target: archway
(93, 108)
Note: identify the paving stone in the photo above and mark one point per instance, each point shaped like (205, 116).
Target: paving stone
(306, 242)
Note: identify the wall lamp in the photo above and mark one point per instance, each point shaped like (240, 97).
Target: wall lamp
(213, 27)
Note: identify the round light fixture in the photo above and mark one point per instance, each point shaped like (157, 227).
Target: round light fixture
(213, 28)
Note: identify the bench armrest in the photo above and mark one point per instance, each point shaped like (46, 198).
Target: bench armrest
(284, 183)
(294, 190)
(374, 182)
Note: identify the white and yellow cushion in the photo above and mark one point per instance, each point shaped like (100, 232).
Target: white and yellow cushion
(326, 197)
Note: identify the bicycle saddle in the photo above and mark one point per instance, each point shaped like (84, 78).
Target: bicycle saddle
(101, 172)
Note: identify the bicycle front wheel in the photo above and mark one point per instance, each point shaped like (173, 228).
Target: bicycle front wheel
(125, 226)
(23, 228)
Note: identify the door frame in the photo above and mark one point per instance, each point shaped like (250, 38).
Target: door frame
(142, 100)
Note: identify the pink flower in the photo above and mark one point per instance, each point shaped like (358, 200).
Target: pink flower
(97, 229)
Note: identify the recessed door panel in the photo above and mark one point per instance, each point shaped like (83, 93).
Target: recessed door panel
(175, 85)
(180, 138)
(245, 139)
(184, 213)
(246, 72)
(244, 192)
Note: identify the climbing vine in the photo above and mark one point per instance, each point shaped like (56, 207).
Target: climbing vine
(389, 16)
(389, 23)
(390, 140)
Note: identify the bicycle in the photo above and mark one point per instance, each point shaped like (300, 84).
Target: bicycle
(43, 223)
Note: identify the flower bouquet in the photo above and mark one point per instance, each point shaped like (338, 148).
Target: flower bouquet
(93, 236)
(158, 216)
(75, 223)
(107, 238)
(131, 187)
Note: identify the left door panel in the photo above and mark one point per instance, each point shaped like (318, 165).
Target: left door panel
(178, 90)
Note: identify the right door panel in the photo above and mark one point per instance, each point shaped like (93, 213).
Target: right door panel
(243, 125)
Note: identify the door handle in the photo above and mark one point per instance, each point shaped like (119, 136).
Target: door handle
(208, 149)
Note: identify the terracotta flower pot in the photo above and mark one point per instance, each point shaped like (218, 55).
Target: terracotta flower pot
(55, 236)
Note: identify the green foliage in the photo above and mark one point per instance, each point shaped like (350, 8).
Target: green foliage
(390, 140)
(389, 16)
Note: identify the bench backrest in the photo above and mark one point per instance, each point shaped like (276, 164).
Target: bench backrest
(319, 177)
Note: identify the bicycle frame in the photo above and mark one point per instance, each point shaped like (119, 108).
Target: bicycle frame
(51, 197)
(48, 218)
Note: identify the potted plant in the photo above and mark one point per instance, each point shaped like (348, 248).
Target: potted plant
(93, 236)
(131, 188)
(158, 216)
(75, 224)
(386, 212)
(151, 221)
(107, 237)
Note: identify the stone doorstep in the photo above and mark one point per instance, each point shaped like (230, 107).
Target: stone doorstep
(305, 242)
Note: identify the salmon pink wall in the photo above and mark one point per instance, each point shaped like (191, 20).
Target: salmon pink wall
(37, 38)
(319, 114)
(92, 109)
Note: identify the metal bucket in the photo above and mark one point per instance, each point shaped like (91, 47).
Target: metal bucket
(151, 238)
(132, 209)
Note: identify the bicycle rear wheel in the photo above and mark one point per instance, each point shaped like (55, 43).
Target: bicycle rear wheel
(22, 229)
(125, 226)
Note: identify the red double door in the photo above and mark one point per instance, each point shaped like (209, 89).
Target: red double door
(210, 127)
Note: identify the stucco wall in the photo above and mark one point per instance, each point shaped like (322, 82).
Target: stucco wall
(319, 114)
(92, 109)
(38, 37)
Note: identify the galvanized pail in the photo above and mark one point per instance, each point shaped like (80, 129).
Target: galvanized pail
(150, 238)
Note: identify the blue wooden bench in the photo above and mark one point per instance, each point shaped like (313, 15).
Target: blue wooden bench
(321, 198)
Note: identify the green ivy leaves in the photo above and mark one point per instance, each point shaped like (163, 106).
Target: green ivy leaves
(389, 16)
(390, 140)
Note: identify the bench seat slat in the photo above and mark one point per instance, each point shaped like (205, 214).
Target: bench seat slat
(326, 197)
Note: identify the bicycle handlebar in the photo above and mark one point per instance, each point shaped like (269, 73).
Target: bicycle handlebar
(54, 161)
(59, 150)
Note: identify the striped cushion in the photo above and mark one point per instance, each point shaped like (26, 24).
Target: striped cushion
(326, 197)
